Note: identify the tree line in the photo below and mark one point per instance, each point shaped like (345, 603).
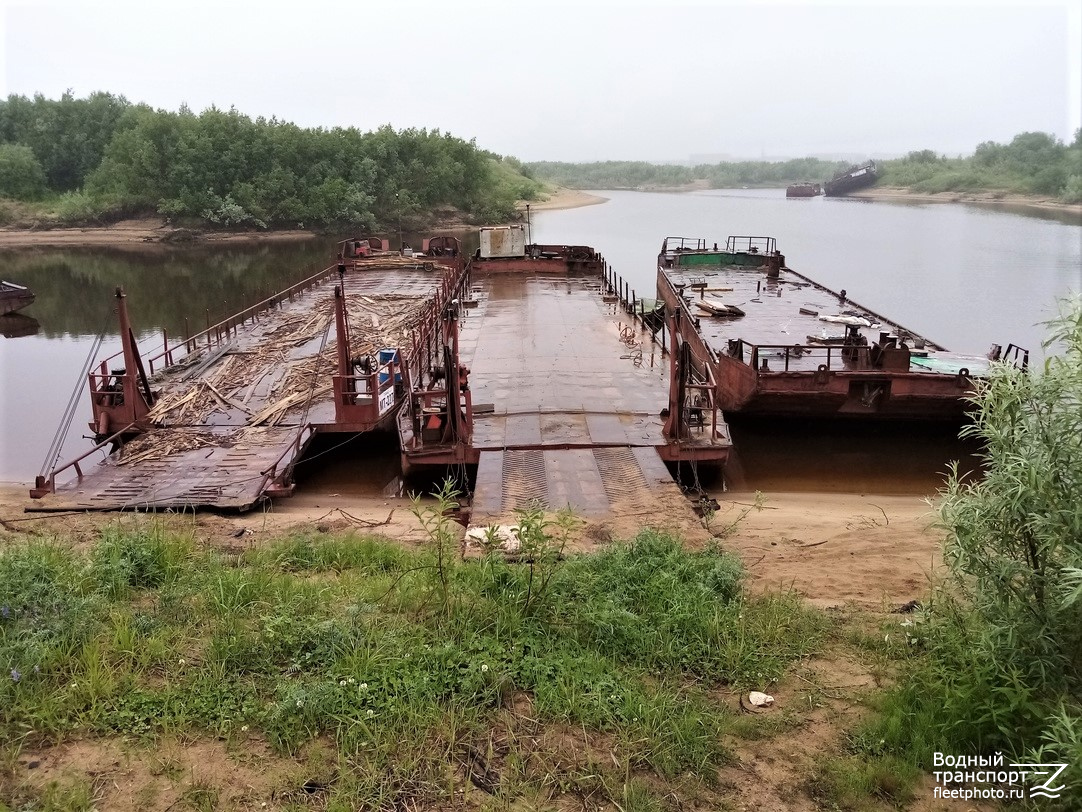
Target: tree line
(103, 157)
(1031, 163)
(644, 175)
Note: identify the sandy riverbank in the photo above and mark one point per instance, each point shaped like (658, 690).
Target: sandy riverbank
(137, 233)
(152, 231)
(562, 198)
(833, 549)
(894, 193)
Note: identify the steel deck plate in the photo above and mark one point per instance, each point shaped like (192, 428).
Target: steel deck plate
(223, 470)
(592, 482)
(547, 353)
(774, 317)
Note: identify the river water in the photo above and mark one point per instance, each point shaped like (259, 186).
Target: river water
(961, 275)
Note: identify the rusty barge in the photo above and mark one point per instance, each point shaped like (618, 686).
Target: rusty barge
(779, 343)
(803, 190)
(517, 360)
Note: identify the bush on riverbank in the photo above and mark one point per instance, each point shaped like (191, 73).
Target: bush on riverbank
(643, 175)
(1032, 163)
(995, 663)
(102, 158)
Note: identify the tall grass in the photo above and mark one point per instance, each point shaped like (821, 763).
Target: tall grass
(353, 638)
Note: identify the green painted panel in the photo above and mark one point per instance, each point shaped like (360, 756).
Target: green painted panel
(720, 258)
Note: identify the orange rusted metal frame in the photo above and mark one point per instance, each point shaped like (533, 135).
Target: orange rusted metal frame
(45, 485)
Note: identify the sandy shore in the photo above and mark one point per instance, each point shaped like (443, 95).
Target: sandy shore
(833, 549)
(133, 233)
(562, 198)
(152, 231)
(895, 193)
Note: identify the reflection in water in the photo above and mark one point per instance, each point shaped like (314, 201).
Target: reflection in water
(164, 286)
(17, 325)
(843, 456)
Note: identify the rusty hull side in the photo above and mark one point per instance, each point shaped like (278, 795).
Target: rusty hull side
(810, 391)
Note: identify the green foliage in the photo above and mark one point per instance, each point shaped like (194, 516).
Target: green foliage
(643, 175)
(68, 136)
(1032, 163)
(997, 661)
(335, 637)
(228, 170)
(21, 175)
(80, 208)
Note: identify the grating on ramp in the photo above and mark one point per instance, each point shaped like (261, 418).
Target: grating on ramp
(226, 470)
(592, 482)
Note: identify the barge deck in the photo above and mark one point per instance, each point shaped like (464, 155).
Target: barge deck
(574, 399)
(229, 412)
(534, 375)
(782, 344)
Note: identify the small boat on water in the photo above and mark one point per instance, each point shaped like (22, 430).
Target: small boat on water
(803, 190)
(14, 297)
(851, 179)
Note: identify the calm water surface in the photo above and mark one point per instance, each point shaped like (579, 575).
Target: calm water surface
(962, 276)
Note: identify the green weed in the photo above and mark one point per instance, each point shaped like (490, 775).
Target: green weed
(404, 660)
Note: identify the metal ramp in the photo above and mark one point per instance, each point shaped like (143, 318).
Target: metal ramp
(591, 481)
(218, 468)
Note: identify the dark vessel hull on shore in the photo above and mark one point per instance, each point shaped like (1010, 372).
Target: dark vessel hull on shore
(852, 179)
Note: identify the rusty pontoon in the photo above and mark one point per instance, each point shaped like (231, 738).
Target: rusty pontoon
(779, 343)
(533, 369)
(553, 393)
(219, 419)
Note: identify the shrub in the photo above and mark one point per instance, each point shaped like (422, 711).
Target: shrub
(21, 175)
(1002, 668)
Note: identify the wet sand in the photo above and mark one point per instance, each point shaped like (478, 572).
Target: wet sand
(139, 232)
(894, 193)
(562, 198)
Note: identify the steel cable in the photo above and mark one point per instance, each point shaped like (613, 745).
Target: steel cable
(52, 456)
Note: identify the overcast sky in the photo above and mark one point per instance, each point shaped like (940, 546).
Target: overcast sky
(584, 80)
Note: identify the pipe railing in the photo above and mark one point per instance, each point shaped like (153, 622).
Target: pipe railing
(51, 480)
(215, 334)
(270, 473)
